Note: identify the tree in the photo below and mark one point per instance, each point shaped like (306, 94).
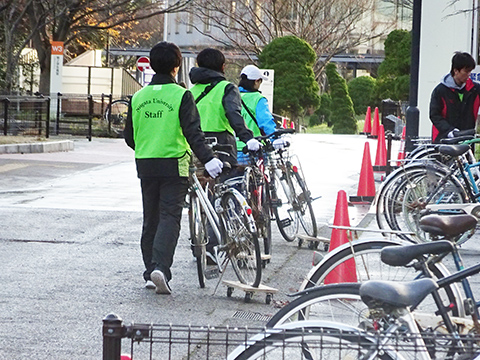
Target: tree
(362, 91)
(342, 113)
(329, 26)
(394, 72)
(69, 21)
(295, 87)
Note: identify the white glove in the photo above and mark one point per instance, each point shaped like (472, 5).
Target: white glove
(279, 144)
(253, 145)
(214, 167)
(450, 134)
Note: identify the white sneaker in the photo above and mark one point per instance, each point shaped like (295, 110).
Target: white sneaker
(160, 282)
(150, 285)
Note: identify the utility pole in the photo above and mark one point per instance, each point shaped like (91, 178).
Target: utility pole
(413, 114)
(165, 22)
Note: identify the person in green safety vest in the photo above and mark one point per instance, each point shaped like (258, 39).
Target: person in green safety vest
(219, 103)
(220, 108)
(255, 110)
(163, 127)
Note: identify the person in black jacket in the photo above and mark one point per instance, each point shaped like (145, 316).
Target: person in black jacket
(219, 103)
(162, 126)
(455, 102)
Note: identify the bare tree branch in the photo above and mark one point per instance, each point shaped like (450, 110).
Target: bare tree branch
(329, 26)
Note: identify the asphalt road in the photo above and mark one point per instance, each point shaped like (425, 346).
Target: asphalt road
(69, 248)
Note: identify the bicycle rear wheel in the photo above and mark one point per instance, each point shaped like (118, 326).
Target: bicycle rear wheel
(258, 198)
(116, 113)
(198, 235)
(241, 244)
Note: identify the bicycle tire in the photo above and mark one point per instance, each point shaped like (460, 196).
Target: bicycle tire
(257, 195)
(303, 203)
(116, 113)
(198, 236)
(300, 308)
(367, 265)
(286, 218)
(241, 244)
(381, 215)
(392, 181)
(411, 194)
(303, 339)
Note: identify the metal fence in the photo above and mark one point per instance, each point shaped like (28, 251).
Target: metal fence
(67, 114)
(156, 341)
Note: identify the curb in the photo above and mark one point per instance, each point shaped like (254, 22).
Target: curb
(38, 147)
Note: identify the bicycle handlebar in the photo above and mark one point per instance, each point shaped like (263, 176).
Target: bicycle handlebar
(275, 135)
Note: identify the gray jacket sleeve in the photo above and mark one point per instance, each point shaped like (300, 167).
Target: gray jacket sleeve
(232, 103)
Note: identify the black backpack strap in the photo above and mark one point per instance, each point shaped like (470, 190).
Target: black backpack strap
(252, 116)
(206, 91)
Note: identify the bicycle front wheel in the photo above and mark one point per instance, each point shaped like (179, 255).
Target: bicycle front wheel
(285, 215)
(303, 203)
(335, 302)
(241, 243)
(198, 235)
(116, 114)
(312, 340)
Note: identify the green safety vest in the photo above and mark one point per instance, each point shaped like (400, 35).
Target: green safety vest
(156, 124)
(212, 113)
(250, 99)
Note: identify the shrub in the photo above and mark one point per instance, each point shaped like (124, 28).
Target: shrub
(362, 92)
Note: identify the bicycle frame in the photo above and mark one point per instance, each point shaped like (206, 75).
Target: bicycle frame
(210, 212)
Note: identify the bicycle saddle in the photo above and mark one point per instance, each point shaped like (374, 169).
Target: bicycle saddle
(403, 255)
(448, 226)
(453, 150)
(377, 293)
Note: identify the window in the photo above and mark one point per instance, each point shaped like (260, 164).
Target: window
(190, 23)
(207, 25)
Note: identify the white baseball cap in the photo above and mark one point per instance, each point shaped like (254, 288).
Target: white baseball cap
(253, 73)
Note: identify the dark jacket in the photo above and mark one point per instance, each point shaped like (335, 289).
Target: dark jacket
(190, 123)
(232, 104)
(448, 112)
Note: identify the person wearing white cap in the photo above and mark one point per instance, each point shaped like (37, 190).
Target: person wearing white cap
(255, 108)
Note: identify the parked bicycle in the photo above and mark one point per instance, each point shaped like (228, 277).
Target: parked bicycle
(415, 187)
(116, 114)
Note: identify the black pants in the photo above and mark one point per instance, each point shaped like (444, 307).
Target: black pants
(163, 200)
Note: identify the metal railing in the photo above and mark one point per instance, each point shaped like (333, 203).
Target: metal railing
(67, 114)
(157, 341)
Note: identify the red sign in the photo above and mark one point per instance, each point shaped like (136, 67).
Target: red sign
(143, 63)
(57, 48)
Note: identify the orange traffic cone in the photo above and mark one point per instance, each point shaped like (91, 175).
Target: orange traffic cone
(401, 151)
(284, 122)
(292, 125)
(346, 271)
(381, 156)
(367, 126)
(366, 184)
(376, 123)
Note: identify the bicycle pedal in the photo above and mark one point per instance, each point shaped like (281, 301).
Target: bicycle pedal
(285, 223)
(276, 202)
(212, 273)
